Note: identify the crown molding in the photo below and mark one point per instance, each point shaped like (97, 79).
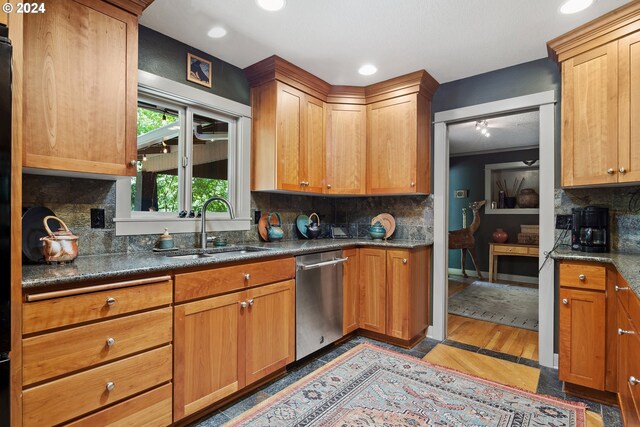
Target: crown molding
(607, 28)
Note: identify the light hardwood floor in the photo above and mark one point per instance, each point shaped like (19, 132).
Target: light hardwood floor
(500, 371)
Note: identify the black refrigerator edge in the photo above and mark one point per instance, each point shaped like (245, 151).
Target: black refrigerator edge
(5, 223)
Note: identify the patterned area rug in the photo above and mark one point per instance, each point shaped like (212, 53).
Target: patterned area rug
(494, 302)
(371, 386)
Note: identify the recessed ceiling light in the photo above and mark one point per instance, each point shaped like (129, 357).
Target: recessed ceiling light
(217, 32)
(367, 70)
(574, 6)
(271, 5)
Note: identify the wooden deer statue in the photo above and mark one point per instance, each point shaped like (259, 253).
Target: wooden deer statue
(463, 239)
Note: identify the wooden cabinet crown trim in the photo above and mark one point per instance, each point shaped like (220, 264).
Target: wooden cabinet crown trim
(608, 27)
(276, 68)
(135, 7)
(95, 288)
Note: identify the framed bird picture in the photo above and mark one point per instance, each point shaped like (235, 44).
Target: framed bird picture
(198, 70)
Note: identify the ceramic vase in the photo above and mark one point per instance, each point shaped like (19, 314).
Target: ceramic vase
(500, 236)
(528, 198)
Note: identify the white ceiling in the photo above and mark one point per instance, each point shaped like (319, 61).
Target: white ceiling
(514, 132)
(451, 39)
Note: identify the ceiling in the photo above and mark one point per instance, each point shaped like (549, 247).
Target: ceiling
(513, 132)
(451, 39)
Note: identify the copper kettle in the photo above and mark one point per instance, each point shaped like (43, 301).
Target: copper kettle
(61, 245)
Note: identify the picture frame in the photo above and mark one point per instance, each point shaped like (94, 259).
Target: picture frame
(198, 70)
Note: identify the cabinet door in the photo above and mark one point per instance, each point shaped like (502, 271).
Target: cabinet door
(629, 96)
(398, 293)
(350, 292)
(625, 355)
(590, 117)
(80, 65)
(312, 149)
(346, 149)
(373, 289)
(392, 145)
(206, 353)
(582, 337)
(269, 329)
(289, 121)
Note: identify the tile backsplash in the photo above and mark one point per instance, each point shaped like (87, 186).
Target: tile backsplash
(624, 212)
(72, 199)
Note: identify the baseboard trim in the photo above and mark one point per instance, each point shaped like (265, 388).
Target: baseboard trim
(501, 276)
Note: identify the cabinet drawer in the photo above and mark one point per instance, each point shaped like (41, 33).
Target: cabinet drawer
(57, 353)
(69, 310)
(200, 284)
(587, 276)
(623, 293)
(633, 367)
(522, 250)
(150, 409)
(66, 398)
(634, 308)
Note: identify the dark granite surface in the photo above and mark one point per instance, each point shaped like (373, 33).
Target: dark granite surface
(627, 264)
(113, 266)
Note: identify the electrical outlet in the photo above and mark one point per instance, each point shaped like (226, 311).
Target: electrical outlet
(97, 218)
(563, 222)
(256, 216)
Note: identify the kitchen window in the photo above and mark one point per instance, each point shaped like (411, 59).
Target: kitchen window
(191, 145)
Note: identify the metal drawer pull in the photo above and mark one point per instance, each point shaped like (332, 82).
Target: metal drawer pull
(622, 170)
(633, 380)
(251, 302)
(610, 171)
(111, 341)
(110, 386)
(111, 301)
(404, 260)
(619, 289)
(582, 277)
(624, 332)
(322, 264)
(247, 276)
(243, 304)
(565, 301)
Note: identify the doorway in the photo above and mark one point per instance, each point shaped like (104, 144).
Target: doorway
(543, 103)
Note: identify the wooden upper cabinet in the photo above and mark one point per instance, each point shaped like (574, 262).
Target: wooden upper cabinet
(398, 141)
(80, 88)
(309, 136)
(346, 149)
(601, 99)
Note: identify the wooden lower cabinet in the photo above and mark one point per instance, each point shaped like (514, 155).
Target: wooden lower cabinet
(225, 343)
(628, 351)
(351, 291)
(394, 291)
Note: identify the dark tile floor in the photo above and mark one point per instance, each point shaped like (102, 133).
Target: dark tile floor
(548, 384)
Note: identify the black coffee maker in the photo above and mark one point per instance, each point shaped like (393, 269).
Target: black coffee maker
(590, 229)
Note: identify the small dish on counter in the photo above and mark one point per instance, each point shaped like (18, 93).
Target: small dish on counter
(387, 221)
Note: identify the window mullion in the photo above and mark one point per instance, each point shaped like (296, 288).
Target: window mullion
(186, 152)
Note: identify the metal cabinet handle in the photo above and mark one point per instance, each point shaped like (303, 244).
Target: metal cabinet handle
(582, 277)
(404, 260)
(111, 301)
(565, 301)
(620, 289)
(251, 302)
(247, 276)
(622, 170)
(413, 184)
(624, 332)
(110, 386)
(328, 185)
(111, 341)
(633, 380)
(610, 171)
(243, 304)
(133, 162)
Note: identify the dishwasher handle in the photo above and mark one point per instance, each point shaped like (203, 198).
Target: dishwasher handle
(334, 261)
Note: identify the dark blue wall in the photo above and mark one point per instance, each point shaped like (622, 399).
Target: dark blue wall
(167, 57)
(467, 172)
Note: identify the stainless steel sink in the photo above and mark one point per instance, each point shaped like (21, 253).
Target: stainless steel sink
(218, 252)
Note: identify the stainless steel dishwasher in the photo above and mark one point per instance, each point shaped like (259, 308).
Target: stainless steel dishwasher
(318, 301)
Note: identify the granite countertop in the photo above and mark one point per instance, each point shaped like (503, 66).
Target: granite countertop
(114, 266)
(627, 264)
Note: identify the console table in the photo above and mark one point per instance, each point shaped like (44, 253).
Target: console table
(512, 249)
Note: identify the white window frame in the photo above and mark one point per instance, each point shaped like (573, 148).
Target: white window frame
(129, 222)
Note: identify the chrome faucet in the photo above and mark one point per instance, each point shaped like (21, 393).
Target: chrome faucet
(204, 217)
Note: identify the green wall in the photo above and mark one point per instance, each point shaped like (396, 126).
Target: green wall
(467, 173)
(167, 57)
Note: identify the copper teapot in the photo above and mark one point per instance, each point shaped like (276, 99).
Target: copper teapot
(61, 245)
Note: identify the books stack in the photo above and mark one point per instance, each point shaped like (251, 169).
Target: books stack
(529, 234)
